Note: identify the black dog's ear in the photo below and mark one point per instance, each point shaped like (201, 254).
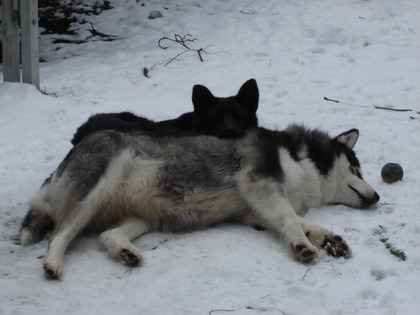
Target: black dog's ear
(202, 99)
(248, 95)
(349, 138)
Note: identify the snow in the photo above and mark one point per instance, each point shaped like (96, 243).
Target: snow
(361, 53)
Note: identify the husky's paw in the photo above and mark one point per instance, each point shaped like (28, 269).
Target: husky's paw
(27, 237)
(130, 258)
(52, 272)
(304, 253)
(335, 246)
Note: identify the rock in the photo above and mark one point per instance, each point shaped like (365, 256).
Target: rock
(392, 172)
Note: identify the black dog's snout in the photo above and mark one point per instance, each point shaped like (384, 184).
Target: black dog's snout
(229, 133)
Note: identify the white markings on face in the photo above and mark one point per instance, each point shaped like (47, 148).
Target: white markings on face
(352, 189)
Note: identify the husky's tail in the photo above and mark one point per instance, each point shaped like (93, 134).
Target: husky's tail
(35, 226)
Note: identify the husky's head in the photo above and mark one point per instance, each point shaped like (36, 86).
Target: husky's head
(226, 117)
(351, 189)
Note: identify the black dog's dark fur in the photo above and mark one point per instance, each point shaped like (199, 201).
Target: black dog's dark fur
(124, 121)
(222, 117)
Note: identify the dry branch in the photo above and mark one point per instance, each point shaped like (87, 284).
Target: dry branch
(220, 310)
(330, 100)
(250, 12)
(106, 37)
(393, 109)
(182, 40)
(377, 107)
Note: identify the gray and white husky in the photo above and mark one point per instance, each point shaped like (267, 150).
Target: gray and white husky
(124, 185)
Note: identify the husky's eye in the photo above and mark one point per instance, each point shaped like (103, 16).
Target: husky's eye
(355, 171)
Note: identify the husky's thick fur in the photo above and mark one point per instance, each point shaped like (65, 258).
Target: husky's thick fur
(223, 117)
(124, 185)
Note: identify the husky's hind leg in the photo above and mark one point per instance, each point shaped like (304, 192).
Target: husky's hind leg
(35, 226)
(96, 189)
(63, 235)
(333, 244)
(117, 240)
(38, 221)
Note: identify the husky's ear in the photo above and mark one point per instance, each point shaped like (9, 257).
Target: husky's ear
(349, 138)
(248, 95)
(202, 99)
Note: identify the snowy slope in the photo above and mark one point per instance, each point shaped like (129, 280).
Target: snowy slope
(361, 53)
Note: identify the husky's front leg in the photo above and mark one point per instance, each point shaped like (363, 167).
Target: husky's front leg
(272, 210)
(333, 244)
(117, 240)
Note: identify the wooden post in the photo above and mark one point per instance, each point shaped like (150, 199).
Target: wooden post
(11, 55)
(29, 37)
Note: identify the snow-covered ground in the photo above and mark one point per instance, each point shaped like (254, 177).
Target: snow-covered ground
(361, 53)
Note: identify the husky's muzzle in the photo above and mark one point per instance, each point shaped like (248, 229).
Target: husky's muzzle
(366, 201)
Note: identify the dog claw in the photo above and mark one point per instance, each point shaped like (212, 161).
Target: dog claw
(50, 272)
(335, 246)
(129, 258)
(303, 253)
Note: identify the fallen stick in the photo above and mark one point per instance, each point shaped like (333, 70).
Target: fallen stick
(330, 100)
(393, 109)
(377, 107)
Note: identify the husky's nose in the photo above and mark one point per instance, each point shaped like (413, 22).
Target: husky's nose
(376, 197)
(367, 202)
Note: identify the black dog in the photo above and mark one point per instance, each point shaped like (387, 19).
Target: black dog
(218, 116)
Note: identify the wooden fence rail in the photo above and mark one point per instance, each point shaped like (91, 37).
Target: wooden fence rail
(20, 41)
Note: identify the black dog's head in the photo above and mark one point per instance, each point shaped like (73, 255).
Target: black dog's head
(226, 117)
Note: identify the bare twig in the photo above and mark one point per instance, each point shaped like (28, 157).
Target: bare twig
(146, 71)
(182, 40)
(94, 33)
(377, 107)
(107, 37)
(393, 109)
(330, 100)
(306, 272)
(199, 51)
(337, 274)
(256, 308)
(220, 310)
(170, 60)
(69, 41)
(385, 204)
(249, 12)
